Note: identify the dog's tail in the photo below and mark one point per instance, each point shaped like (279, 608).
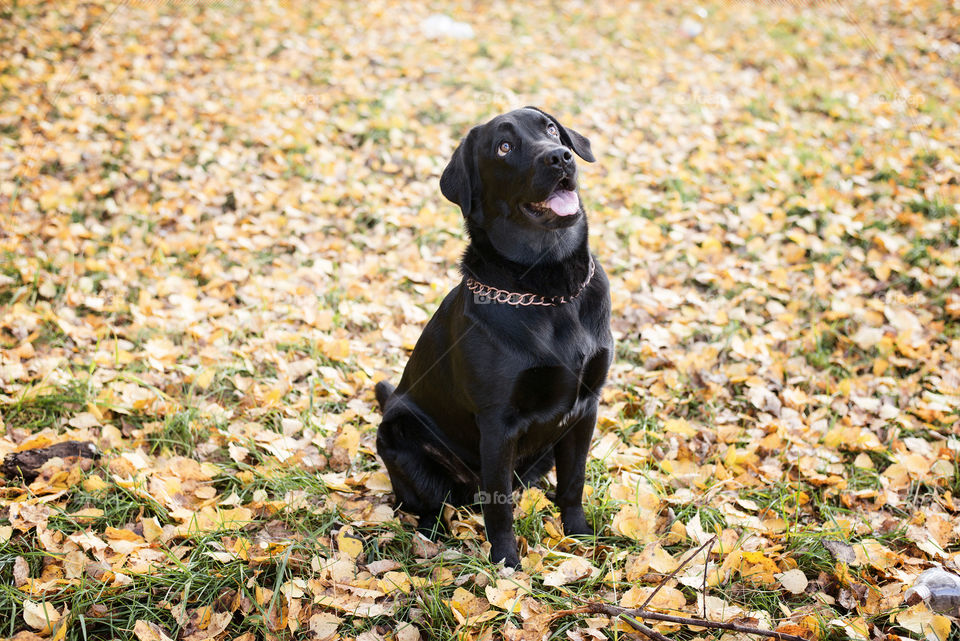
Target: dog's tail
(384, 391)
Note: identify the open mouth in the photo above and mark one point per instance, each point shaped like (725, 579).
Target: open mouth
(562, 202)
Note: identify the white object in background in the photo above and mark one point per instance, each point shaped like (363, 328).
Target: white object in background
(939, 589)
(691, 28)
(439, 26)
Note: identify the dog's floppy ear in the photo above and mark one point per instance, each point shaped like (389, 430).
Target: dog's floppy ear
(459, 181)
(572, 139)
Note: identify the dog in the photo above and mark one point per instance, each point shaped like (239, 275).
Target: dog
(505, 380)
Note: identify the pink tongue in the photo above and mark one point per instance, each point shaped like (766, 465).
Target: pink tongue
(563, 202)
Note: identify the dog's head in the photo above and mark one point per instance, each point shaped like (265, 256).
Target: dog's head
(518, 167)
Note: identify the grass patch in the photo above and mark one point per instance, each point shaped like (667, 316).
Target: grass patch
(179, 434)
(121, 506)
(102, 612)
(38, 411)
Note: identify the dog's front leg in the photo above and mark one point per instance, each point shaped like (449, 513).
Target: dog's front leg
(570, 453)
(497, 460)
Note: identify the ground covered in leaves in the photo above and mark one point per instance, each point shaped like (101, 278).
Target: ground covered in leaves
(221, 224)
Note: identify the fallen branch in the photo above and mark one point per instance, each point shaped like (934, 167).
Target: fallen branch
(703, 591)
(630, 616)
(28, 463)
(650, 633)
(617, 611)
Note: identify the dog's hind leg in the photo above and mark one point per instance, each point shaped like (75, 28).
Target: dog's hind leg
(421, 482)
(383, 390)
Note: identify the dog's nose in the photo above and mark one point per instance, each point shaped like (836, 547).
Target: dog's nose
(559, 157)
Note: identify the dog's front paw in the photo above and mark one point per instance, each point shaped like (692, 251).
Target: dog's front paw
(431, 526)
(509, 556)
(511, 561)
(575, 523)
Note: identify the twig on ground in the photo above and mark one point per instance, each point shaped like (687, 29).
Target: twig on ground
(617, 611)
(630, 615)
(703, 591)
(674, 573)
(650, 633)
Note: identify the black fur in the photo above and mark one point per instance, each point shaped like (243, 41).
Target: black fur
(494, 394)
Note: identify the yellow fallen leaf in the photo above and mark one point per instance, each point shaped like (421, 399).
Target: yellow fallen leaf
(235, 517)
(122, 534)
(147, 631)
(87, 513)
(204, 378)
(348, 438)
(635, 524)
(349, 545)
(680, 426)
(408, 632)
(660, 560)
(40, 616)
(793, 581)
(855, 628)
(667, 597)
(874, 554)
(151, 529)
(237, 453)
(507, 593)
(393, 581)
(378, 482)
(336, 350)
(758, 568)
(570, 571)
(324, 626)
(919, 619)
(533, 500)
(462, 601)
(35, 442)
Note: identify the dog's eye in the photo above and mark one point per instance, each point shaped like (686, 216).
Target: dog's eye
(504, 148)
(552, 130)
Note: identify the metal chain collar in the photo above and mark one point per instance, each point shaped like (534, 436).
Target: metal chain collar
(494, 295)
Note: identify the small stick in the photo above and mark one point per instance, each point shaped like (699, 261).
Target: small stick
(706, 564)
(674, 573)
(614, 610)
(650, 633)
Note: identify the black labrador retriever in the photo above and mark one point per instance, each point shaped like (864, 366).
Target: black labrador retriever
(505, 379)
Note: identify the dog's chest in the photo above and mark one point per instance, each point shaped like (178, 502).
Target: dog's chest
(553, 394)
(549, 365)
(550, 399)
